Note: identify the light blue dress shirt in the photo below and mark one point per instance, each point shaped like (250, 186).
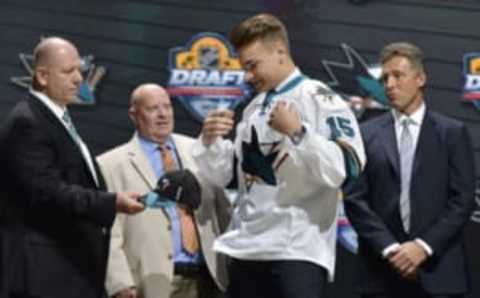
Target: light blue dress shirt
(152, 152)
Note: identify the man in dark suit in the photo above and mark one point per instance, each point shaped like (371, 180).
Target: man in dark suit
(54, 227)
(416, 193)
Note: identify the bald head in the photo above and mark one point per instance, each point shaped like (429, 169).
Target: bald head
(57, 71)
(46, 50)
(152, 113)
(146, 90)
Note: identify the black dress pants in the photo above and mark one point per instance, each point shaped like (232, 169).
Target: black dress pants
(279, 279)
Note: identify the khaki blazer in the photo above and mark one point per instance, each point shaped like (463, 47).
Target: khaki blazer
(141, 247)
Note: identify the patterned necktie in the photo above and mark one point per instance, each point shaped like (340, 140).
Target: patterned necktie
(83, 148)
(187, 224)
(70, 127)
(407, 151)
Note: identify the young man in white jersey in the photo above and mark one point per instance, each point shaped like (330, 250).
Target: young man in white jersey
(296, 144)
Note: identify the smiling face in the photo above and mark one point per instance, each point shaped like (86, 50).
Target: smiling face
(264, 63)
(152, 112)
(403, 84)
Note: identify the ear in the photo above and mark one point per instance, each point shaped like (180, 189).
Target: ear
(41, 76)
(422, 79)
(280, 48)
(131, 115)
(280, 51)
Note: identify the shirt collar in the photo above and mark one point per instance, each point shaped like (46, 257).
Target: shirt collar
(296, 72)
(54, 107)
(151, 146)
(416, 117)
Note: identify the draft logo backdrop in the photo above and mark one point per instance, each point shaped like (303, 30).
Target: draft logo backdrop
(205, 74)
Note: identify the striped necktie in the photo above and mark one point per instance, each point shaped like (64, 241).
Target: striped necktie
(189, 233)
(83, 148)
(70, 127)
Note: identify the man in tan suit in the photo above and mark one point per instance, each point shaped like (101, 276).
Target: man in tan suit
(148, 256)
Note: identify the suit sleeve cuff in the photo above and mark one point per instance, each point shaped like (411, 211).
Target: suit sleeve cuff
(389, 249)
(425, 246)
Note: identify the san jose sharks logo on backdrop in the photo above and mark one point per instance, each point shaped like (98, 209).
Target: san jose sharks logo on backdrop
(357, 81)
(206, 75)
(471, 72)
(92, 74)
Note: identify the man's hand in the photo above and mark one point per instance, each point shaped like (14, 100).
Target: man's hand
(285, 118)
(127, 293)
(217, 124)
(413, 276)
(407, 258)
(127, 202)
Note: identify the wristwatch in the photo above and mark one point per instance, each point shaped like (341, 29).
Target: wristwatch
(297, 136)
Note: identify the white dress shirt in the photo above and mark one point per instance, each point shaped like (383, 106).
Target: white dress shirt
(416, 123)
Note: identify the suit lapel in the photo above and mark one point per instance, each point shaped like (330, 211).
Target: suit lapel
(48, 114)
(101, 182)
(61, 132)
(427, 131)
(140, 163)
(142, 166)
(184, 155)
(390, 143)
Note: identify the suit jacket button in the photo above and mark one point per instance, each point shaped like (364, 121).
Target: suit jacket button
(169, 227)
(170, 256)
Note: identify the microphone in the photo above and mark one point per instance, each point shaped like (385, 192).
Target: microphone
(174, 187)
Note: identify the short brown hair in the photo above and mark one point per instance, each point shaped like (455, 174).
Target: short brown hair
(405, 49)
(265, 27)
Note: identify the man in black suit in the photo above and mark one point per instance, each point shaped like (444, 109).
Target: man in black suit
(416, 194)
(55, 222)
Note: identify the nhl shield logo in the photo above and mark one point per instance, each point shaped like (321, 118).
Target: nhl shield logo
(471, 72)
(206, 75)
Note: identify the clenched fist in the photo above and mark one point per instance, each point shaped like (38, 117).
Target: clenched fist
(285, 118)
(217, 124)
